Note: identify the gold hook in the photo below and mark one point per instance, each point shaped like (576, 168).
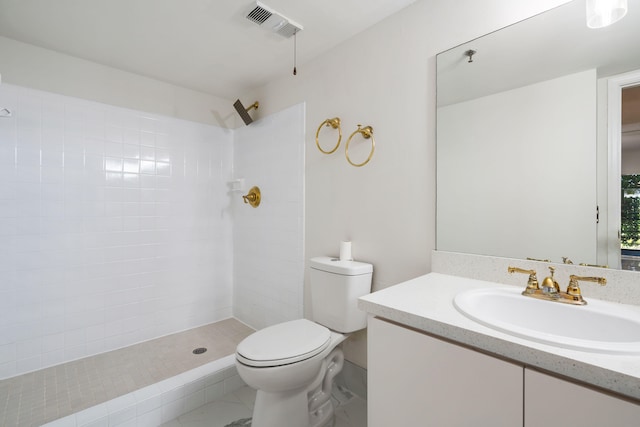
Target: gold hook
(367, 133)
(334, 123)
(253, 197)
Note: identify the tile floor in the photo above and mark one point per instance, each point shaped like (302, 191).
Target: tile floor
(38, 397)
(351, 410)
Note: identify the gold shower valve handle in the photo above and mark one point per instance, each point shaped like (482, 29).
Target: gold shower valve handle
(335, 124)
(253, 197)
(367, 133)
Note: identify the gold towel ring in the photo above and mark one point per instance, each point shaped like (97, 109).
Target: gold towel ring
(334, 123)
(367, 133)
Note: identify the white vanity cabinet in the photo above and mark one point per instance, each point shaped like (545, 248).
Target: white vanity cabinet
(551, 401)
(417, 380)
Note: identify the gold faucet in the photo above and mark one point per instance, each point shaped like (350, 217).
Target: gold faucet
(549, 284)
(550, 290)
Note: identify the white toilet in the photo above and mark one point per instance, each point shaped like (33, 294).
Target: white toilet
(292, 364)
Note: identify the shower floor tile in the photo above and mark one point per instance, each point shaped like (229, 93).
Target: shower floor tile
(38, 397)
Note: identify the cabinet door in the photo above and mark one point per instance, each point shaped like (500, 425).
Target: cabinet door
(417, 380)
(551, 401)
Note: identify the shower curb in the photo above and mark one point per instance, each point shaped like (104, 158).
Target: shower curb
(163, 401)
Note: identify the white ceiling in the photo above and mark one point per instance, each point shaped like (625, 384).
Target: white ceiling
(205, 45)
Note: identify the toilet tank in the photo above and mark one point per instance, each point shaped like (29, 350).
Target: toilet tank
(335, 288)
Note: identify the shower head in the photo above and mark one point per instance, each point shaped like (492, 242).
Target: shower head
(244, 112)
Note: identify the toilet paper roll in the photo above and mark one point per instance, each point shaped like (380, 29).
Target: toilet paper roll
(345, 251)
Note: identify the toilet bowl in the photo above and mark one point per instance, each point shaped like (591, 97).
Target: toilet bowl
(292, 364)
(287, 380)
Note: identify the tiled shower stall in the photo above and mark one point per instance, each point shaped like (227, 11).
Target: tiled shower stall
(119, 226)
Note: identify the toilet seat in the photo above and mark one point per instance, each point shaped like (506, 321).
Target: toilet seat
(283, 344)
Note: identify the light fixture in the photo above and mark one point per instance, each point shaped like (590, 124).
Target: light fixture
(601, 13)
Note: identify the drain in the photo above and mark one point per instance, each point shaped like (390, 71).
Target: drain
(199, 350)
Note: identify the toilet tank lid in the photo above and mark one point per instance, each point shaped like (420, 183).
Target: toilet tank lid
(334, 265)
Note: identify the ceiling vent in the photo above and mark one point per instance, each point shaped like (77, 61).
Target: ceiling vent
(268, 18)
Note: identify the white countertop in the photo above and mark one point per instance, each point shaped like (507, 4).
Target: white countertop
(426, 303)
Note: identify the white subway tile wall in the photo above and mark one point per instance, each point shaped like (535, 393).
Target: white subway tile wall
(115, 227)
(268, 240)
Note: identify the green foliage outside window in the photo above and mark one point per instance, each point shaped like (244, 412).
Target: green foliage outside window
(630, 229)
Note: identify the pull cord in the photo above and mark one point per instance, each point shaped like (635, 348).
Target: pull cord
(295, 38)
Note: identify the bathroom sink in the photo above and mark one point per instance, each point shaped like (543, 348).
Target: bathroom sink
(599, 326)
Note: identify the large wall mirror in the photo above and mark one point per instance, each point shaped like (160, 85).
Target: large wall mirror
(527, 166)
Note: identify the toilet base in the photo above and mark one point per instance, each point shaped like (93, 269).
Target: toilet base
(291, 410)
(281, 409)
(305, 407)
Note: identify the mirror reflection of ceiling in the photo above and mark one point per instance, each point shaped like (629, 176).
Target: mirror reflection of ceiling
(549, 45)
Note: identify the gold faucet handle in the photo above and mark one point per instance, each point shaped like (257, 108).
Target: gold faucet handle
(574, 288)
(538, 259)
(532, 283)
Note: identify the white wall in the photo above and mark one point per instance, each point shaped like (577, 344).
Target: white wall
(268, 240)
(533, 133)
(31, 66)
(383, 77)
(109, 221)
